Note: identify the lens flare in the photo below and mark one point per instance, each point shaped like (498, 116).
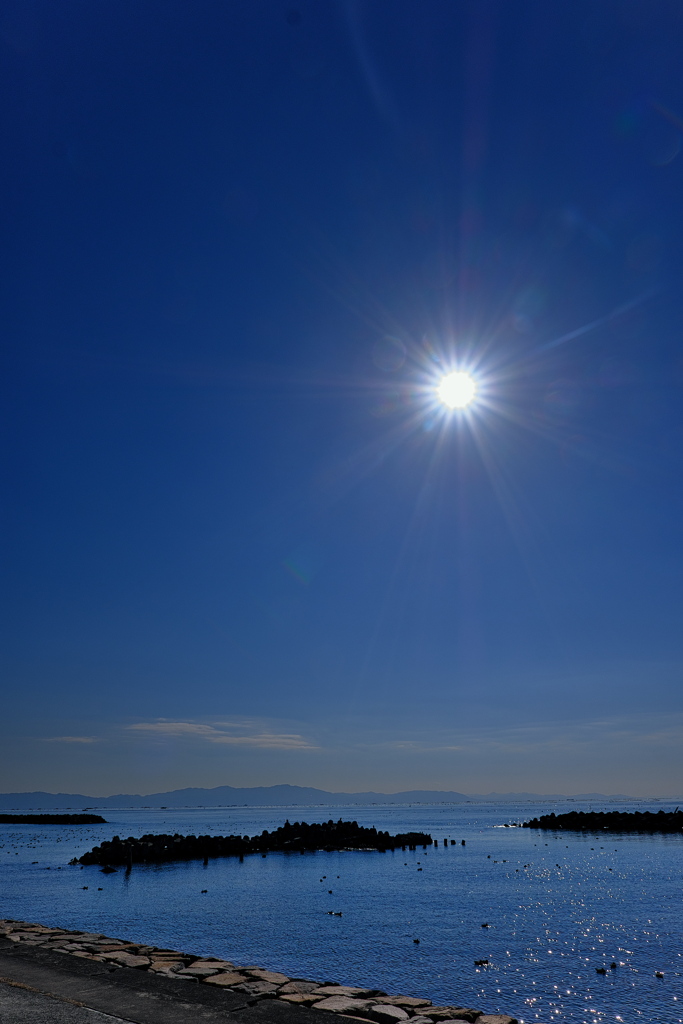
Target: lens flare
(457, 390)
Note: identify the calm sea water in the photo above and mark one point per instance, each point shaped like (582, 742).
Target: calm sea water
(557, 906)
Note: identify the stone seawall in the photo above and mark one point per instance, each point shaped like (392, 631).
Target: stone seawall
(254, 983)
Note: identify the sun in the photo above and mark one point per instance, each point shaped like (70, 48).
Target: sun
(457, 390)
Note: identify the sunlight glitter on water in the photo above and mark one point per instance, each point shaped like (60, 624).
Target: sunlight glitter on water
(557, 907)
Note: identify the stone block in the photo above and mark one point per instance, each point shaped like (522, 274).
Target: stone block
(496, 1018)
(450, 1013)
(257, 988)
(299, 988)
(273, 977)
(385, 1013)
(459, 1020)
(130, 960)
(113, 947)
(408, 1002)
(227, 978)
(343, 1004)
(299, 998)
(345, 990)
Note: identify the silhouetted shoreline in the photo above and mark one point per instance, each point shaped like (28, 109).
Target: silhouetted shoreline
(611, 821)
(297, 838)
(52, 819)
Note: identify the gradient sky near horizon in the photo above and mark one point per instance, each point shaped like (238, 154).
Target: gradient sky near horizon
(242, 541)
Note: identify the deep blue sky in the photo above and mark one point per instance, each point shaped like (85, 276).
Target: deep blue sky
(241, 542)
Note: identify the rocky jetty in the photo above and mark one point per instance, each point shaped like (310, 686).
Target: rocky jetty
(297, 838)
(611, 821)
(254, 983)
(52, 819)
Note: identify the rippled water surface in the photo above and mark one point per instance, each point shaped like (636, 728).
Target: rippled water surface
(558, 906)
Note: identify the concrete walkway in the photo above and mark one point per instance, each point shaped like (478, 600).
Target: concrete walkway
(21, 1006)
(39, 986)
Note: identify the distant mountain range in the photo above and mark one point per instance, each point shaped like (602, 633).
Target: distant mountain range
(268, 796)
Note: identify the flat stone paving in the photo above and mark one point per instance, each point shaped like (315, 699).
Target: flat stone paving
(82, 971)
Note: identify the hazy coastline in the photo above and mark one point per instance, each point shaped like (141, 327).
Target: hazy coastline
(287, 796)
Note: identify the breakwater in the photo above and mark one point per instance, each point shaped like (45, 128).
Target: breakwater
(611, 821)
(254, 984)
(52, 819)
(300, 837)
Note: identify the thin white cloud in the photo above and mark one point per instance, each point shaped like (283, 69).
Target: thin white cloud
(70, 739)
(418, 747)
(176, 728)
(262, 738)
(273, 741)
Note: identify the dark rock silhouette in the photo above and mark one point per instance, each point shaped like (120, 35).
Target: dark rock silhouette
(52, 819)
(299, 837)
(610, 821)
